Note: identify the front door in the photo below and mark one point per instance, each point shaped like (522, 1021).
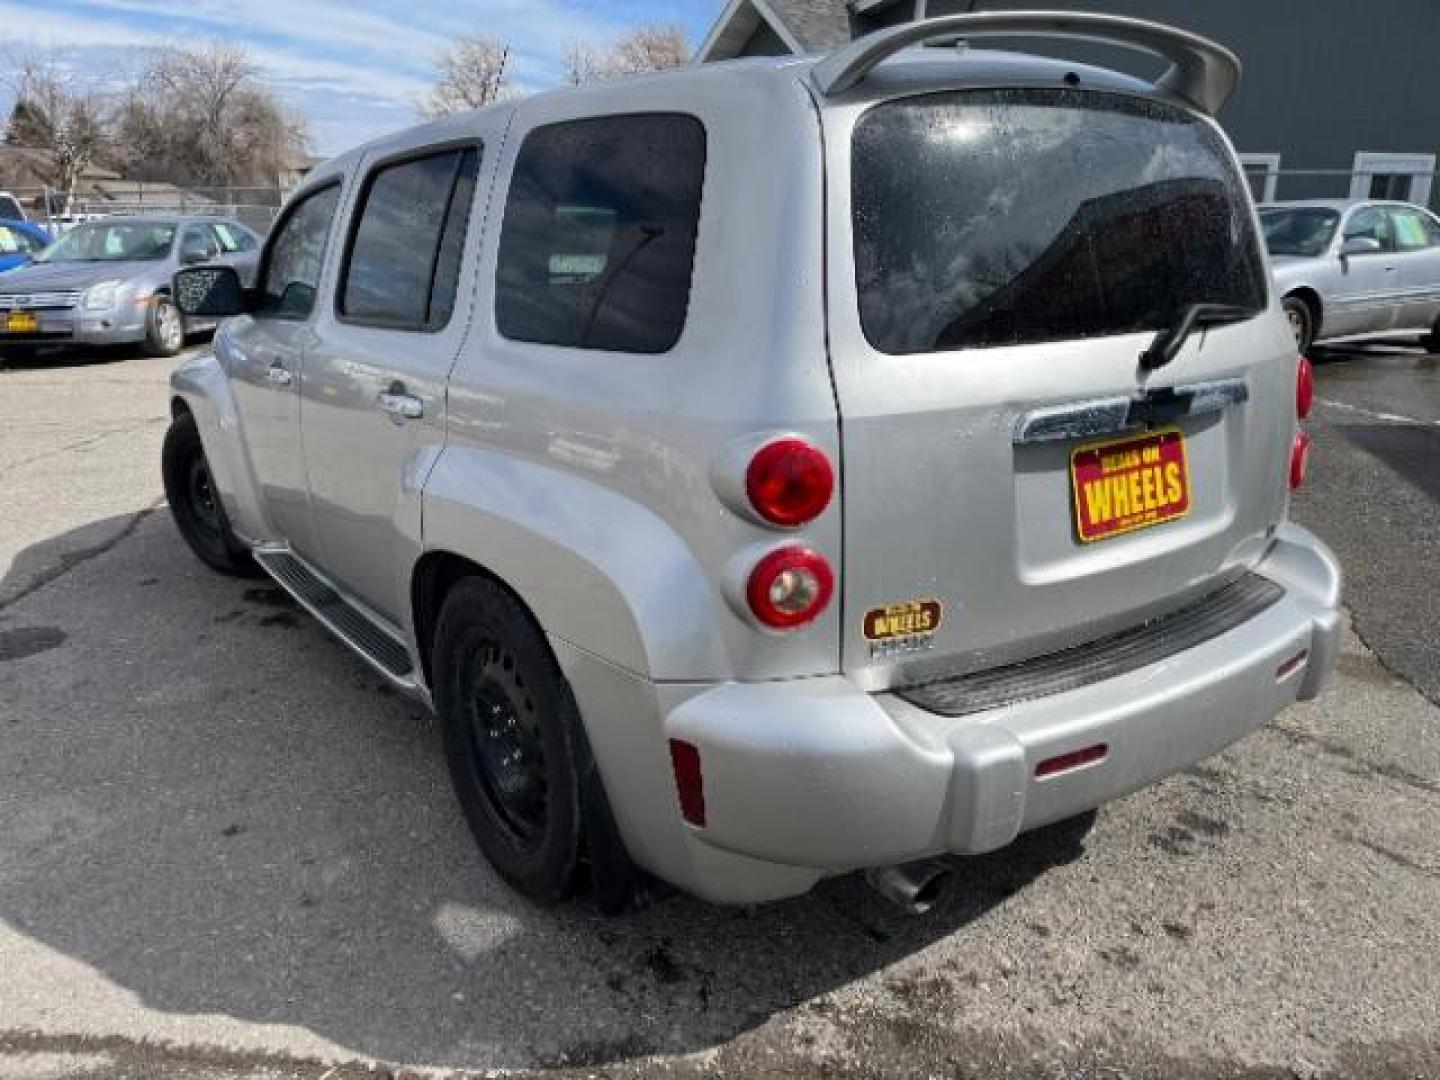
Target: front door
(264, 356)
(1365, 300)
(373, 408)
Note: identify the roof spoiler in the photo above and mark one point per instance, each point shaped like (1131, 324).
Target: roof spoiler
(1202, 73)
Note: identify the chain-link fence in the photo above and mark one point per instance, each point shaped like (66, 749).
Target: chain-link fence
(49, 207)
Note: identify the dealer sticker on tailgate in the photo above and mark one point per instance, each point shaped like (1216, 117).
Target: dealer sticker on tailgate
(1128, 484)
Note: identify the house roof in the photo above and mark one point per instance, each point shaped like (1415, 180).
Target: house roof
(28, 168)
(805, 26)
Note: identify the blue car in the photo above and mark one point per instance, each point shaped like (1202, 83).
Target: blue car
(20, 242)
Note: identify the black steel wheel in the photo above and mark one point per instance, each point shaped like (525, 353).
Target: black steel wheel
(195, 502)
(513, 738)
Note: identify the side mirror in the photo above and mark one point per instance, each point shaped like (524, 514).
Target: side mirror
(191, 254)
(209, 292)
(1360, 245)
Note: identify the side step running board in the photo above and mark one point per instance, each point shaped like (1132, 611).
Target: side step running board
(361, 631)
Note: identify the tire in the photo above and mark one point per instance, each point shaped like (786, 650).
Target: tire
(164, 328)
(195, 504)
(513, 739)
(1431, 341)
(1302, 321)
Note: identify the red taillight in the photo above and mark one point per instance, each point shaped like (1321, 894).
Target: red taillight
(790, 587)
(1304, 388)
(689, 783)
(1299, 459)
(789, 482)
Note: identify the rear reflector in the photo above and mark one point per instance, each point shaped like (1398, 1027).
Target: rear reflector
(1072, 760)
(1299, 459)
(1304, 388)
(689, 784)
(1290, 666)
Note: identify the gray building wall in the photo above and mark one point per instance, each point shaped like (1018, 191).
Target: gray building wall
(1323, 80)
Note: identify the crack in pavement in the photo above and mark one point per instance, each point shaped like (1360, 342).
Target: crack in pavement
(82, 443)
(1335, 748)
(71, 559)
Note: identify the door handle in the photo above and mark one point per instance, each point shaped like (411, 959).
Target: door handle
(400, 404)
(279, 374)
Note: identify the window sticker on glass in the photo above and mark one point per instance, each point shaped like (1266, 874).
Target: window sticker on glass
(584, 235)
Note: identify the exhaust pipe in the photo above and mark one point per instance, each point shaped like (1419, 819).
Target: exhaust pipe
(914, 888)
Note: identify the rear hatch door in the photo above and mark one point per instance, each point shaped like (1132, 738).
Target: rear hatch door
(1015, 482)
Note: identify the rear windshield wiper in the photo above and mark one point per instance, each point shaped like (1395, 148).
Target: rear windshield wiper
(1168, 341)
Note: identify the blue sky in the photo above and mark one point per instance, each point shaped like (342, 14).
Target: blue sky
(354, 68)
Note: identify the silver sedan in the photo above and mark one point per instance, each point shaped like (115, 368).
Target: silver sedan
(107, 282)
(1350, 268)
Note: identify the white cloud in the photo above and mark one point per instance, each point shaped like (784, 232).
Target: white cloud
(356, 68)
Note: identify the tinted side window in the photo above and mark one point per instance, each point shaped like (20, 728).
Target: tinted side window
(598, 245)
(1370, 223)
(409, 212)
(297, 255)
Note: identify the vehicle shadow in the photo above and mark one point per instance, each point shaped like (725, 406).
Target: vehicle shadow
(1411, 450)
(69, 356)
(1404, 345)
(211, 805)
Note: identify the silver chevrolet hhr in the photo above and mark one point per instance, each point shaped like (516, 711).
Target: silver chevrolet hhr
(782, 468)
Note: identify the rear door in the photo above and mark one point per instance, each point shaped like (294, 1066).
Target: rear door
(1417, 256)
(999, 260)
(374, 405)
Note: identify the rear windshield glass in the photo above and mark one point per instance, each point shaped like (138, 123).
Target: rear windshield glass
(1005, 217)
(1305, 230)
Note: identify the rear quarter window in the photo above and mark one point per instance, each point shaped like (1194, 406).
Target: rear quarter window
(598, 245)
(1006, 217)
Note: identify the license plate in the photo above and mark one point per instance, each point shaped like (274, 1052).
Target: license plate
(1131, 483)
(21, 322)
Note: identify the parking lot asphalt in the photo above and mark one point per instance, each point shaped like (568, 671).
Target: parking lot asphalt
(226, 850)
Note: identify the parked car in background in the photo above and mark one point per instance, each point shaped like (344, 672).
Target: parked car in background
(571, 468)
(108, 283)
(10, 208)
(1348, 268)
(20, 242)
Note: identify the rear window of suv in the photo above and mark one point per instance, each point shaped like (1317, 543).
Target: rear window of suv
(1009, 217)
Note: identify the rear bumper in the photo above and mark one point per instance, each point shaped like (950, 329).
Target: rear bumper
(817, 774)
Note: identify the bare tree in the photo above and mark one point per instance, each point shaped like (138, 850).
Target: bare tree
(474, 72)
(202, 117)
(55, 111)
(646, 48)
